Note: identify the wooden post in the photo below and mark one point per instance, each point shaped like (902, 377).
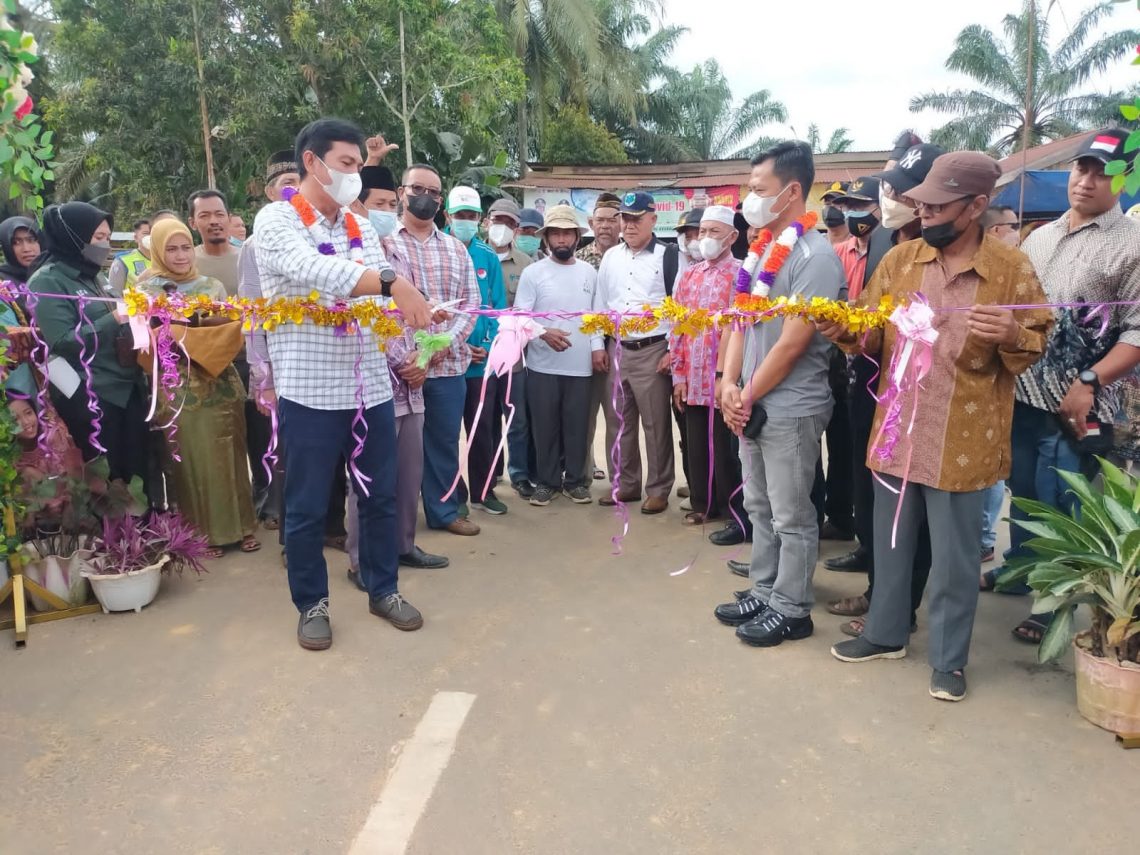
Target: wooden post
(210, 182)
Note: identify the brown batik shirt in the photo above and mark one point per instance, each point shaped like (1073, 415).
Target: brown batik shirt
(960, 441)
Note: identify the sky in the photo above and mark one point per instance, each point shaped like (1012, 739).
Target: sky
(856, 65)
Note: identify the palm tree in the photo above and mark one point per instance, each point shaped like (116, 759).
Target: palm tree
(692, 117)
(838, 143)
(995, 116)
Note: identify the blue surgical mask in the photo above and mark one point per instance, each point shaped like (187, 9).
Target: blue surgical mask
(383, 221)
(465, 230)
(528, 244)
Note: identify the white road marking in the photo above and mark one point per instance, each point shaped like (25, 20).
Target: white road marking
(402, 802)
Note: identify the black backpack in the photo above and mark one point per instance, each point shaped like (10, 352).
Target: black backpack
(669, 268)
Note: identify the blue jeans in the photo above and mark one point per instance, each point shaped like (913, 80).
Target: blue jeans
(443, 413)
(315, 440)
(1039, 447)
(991, 510)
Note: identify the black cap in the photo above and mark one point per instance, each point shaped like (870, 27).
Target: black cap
(691, 219)
(865, 189)
(911, 167)
(279, 163)
(837, 189)
(1105, 145)
(905, 141)
(377, 178)
(637, 203)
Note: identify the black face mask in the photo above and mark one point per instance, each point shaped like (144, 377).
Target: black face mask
(563, 253)
(422, 207)
(97, 253)
(832, 217)
(861, 223)
(942, 235)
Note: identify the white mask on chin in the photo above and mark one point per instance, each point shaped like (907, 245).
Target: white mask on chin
(690, 248)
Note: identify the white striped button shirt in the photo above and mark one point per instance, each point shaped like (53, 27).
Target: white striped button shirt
(312, 365)
(442, 269)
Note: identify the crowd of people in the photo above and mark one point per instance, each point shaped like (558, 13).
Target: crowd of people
(333, 443)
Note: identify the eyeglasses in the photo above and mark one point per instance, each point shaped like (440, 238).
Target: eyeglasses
(935, 210)
(420, 190)
(1016, 224)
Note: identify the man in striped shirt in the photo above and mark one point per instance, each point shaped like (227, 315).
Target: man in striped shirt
(325, 381)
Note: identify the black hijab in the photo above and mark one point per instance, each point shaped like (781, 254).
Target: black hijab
(11, 268)
(67, 229)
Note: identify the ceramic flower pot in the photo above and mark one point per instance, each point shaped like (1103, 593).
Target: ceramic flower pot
(63, 576)
(1108, 692)
(126, 592)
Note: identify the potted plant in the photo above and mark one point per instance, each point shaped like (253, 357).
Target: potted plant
(132, 552)
(1090, 557)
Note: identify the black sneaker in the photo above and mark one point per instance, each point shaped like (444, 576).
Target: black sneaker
(739, 611)
(740, 568)
(772, 628)
(948, 685)
(525, 489)
(740, 595)
(314, 631)
(397, 611)
(730, 535)
(861, 650)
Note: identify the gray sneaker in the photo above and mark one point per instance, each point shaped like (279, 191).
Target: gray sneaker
(542, 497)
(861, 650)
(314, 632)
(578, 495)
(397, 611)
(948, 685)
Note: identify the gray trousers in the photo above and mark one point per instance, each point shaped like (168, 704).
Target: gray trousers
(409, 474)
(648, 400)
(951, 593)
(779, 470)
(597, 396)
(558, 422)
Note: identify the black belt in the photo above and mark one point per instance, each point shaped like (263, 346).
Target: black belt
(640, 343)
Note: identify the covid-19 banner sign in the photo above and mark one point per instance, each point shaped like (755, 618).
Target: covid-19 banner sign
(671, 202)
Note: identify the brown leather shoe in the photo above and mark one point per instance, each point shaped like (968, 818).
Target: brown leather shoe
(463, 526)
(654, 505)
(607, 501)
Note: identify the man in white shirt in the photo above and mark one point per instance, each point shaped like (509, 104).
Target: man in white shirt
(560, 362)
(325, 380)
(631, 276)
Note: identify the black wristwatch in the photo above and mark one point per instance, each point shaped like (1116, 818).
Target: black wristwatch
(387, 277)
(1089, 378)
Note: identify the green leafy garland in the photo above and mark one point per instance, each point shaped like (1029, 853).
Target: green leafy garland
(25, 147)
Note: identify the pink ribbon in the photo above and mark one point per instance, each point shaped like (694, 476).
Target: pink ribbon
(615, 453)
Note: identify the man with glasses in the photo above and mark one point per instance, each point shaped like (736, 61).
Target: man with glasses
(630, 277)
(1001, 222)
(606, 226)
(442, 269)
(959, 443)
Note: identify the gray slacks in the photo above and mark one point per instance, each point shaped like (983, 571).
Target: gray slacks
(558, 422)
(597, 396)
(951, 593)
(648, 400)
(779, 470)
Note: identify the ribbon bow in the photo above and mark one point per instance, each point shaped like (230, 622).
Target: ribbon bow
(429, 344)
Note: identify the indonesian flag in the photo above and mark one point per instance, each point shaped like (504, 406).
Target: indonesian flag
(1105, 143)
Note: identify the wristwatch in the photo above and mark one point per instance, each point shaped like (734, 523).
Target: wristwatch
(1089, 378)
(387, 277)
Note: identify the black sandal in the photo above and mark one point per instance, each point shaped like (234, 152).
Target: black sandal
(1030, 627)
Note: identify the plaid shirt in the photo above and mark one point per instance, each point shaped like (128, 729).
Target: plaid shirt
(1096, 263)
(442, 269)
(256, 344)
(314, 366)
(703, 286)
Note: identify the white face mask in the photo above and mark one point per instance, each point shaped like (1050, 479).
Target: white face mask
(383, 221)
(690, 248)
(758, 211)
(500, 234)
(145, 243)
(711, 248)
(344, 187)
(895, 213)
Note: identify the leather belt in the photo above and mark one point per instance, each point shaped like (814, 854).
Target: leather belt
(640, 343)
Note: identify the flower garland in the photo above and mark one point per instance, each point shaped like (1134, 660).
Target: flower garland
(309, 220)
(776, 259)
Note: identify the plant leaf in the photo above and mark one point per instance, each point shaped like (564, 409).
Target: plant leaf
(1129, 112)
(1115, 167)
(1058, 637)
(1117, 631)
(1130, 550)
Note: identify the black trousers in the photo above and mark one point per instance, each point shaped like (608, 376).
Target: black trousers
(481, 449)
(725, 465)
(683, 444)
(832, 493)
(122, 431)
(559, 416)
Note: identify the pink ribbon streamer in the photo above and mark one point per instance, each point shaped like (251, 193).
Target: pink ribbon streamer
(909, 366)
(88, 385)
(620, 508)
(359, 421)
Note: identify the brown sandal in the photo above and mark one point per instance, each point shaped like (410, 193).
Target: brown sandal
(853, 627)
(250, 544)
(849, 606)
(695, 518)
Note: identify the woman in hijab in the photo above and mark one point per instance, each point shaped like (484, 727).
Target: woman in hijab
(78, 244)
(211, 481)
(20, 245)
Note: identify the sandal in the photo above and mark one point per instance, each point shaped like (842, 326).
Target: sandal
(988, 581)
(271, 523)
(214, 552)
(1031, 630)
(854, 627)
(695, 518)
(250, 544)
(850, 606)
(337, 541)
